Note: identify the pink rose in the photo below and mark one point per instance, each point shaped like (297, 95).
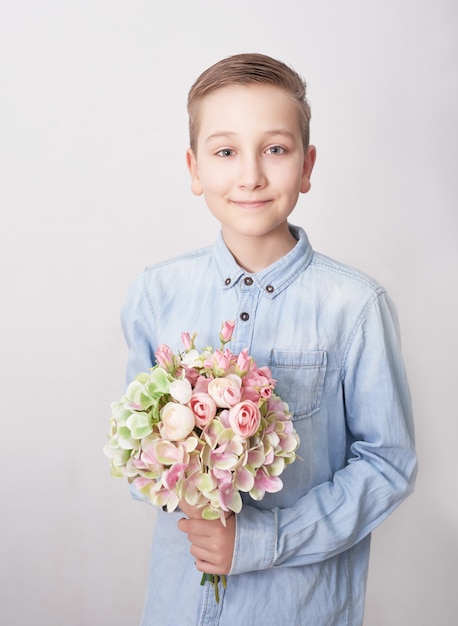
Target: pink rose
(204, 408)
(165, 357)
(191, 374)
(201, 384)
(227, 331)
(186, 341)
(258, 384)
(244, 418)
(220, 361)
(245, 362)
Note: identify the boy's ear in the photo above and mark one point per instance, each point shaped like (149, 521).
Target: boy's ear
(309, 162)
(191, 162)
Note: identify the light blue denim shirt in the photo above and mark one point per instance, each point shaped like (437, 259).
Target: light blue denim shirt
(330, 336)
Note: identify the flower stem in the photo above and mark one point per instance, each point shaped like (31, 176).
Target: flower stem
(214, 580)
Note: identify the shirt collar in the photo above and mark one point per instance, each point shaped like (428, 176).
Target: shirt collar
(273, 279)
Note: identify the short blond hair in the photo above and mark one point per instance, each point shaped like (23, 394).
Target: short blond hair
(245, 69)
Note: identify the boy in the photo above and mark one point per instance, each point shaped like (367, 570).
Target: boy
(329, 335)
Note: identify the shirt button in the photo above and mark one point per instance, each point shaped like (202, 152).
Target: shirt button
(244, 316)
(227, 281)
(270, 289)
(248, 280)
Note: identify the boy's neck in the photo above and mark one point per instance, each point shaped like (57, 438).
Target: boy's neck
(254, 254)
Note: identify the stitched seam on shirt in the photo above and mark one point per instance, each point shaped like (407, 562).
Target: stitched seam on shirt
(362, 316)
(146, 294)
(349, 593)
(289, 280)
(275, 540)
(235, 556)
(344, 270)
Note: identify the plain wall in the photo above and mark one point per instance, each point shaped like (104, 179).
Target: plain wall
(93, 132)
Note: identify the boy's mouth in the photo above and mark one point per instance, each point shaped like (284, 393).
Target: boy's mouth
(252, 204)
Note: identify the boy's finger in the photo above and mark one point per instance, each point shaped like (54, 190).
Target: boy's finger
(197, 526)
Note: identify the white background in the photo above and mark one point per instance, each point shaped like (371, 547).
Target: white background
(93, 131)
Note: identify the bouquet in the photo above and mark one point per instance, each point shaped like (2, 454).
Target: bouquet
(203, 427)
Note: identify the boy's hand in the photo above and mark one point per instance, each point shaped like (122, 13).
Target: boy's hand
(212, 544)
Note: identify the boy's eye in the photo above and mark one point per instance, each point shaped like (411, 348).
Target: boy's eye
(225, 152)
(276, 150)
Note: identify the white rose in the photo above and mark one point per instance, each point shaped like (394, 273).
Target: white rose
(181, 390)
(192, 359)
(177, 421)
(225, 391)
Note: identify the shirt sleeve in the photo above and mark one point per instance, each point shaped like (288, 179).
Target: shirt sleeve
(379, 473)
(137, 320)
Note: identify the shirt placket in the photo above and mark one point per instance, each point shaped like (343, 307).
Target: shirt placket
(246, 313)
(211, 610)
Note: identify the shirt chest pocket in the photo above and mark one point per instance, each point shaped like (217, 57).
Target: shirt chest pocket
(300, 379)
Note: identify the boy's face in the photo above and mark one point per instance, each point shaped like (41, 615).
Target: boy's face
(250, 163)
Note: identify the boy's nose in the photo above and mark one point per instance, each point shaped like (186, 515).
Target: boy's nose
(251, 174)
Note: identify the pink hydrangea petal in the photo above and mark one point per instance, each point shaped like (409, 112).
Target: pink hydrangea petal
(167, 453)
(244, 479)
(172, 476)
(262, 483)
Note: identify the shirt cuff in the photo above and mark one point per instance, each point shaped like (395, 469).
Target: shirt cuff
(255, 540)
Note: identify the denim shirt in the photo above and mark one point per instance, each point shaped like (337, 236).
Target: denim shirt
(330, 336)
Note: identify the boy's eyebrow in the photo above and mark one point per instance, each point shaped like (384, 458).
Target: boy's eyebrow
(269, 133)
(220, 134)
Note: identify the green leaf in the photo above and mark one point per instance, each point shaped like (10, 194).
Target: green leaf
(139, 424)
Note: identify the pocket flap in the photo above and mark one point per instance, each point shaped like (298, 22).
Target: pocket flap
(300, 378)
